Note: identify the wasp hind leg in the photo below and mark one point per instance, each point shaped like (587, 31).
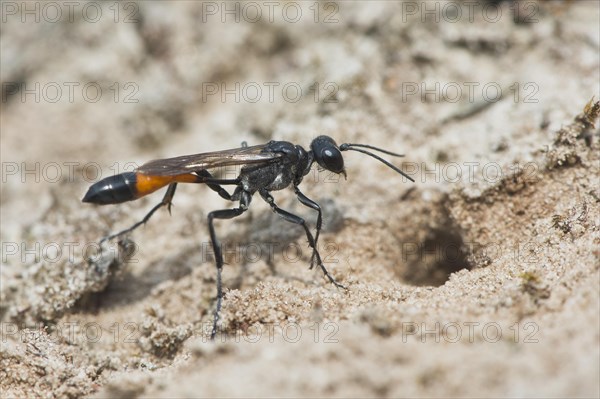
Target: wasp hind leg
(245, 199)
(215, 184)
(166, 201)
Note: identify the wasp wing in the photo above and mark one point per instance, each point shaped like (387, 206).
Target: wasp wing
(208, 160)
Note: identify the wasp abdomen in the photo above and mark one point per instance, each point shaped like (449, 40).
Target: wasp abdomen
(113, 190)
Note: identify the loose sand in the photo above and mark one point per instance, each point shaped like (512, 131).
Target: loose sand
(480, 279)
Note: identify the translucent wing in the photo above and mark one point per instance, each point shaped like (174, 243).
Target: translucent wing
(192, 163)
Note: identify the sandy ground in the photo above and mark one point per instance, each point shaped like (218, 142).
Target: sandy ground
(479, 279)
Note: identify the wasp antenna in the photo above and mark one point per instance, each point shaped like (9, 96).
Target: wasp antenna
(379, 159)
(347, 146)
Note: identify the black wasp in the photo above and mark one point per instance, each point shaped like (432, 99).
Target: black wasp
(265, 168)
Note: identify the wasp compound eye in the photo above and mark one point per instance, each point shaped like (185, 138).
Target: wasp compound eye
(331, 159)
(327, 154)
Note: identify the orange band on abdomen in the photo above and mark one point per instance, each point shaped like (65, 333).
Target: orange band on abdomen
(146, 184)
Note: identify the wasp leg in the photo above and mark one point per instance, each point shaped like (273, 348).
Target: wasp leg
(311, 204)
(214, 184)
(165, 201)
(223, 214)
(290, 217)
